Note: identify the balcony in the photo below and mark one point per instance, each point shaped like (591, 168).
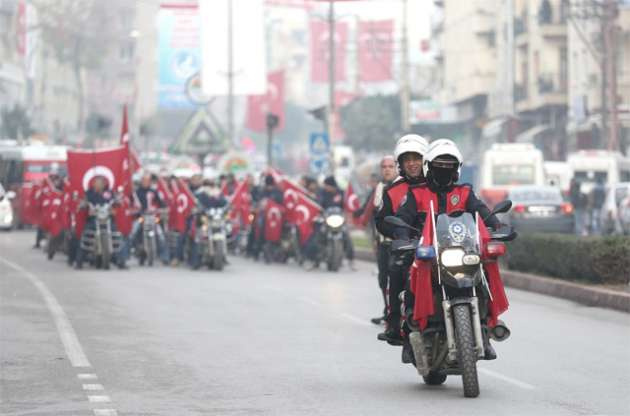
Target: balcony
(552, 24)
(520, 31)
(546, 91)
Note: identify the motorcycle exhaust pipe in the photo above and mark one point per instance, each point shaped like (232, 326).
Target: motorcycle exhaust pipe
(500, 332)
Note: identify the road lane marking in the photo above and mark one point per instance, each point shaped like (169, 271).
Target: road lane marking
(344, 315)
(507, 379)
(69, 339)
(86, 376)
(105, 412)
(99, 399)
(93, 387)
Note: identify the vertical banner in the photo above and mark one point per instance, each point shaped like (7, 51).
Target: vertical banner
(273, 102)
(376, 40)
(178, 53)
(320, 50)
(249, 67)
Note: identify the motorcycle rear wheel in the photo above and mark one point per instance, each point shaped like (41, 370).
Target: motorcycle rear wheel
(466, 354)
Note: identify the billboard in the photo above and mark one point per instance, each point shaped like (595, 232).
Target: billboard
(179, 54)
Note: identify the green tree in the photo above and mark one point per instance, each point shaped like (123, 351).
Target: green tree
(15, 123)
(372, 123)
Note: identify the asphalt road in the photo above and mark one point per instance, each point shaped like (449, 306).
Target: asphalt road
(262, 339)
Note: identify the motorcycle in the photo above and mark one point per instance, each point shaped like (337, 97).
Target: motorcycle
(287, 247)
(455, 336)
(147, 246)
(210, 238)
(329, 239)
(101, 243)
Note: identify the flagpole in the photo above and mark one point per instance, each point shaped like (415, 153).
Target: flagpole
(331, 78)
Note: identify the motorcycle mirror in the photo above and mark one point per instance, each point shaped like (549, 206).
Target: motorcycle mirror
(502, 207)
(390, 219)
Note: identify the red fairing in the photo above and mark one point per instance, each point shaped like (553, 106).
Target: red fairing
(274, 217)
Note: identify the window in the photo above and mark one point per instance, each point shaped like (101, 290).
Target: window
(513, 174)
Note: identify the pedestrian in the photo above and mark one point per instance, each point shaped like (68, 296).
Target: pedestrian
(578, 200)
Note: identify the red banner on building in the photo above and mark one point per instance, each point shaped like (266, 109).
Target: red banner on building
(376, 41)
(273, 102)
(320, 50)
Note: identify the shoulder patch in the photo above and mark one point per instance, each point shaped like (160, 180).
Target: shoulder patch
(454, 199)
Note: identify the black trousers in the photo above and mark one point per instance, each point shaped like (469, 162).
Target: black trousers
(382, 261)
(398, 277)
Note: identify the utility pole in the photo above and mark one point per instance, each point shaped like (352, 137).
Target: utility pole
(610, 57)
(404, 72)
(230, 75)
(510, 58)
(331, 68)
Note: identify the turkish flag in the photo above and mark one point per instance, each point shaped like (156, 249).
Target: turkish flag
(305, 212)
(319, 49)
(376, 40)
(273, 102)
(274, 218)
(164, 192)
(134, 163)
(364, 219)
(52, 212)
(183, 205)
(351, 200)
(84, 166)
(240, 203)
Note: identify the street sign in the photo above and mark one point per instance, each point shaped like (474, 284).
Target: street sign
(319, 144)
(200, 135)
(319, 166)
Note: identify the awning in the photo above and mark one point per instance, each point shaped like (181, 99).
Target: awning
(530, 134)
(493, 127)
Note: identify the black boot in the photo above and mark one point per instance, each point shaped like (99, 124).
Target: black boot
(392, 336)
(377, 321)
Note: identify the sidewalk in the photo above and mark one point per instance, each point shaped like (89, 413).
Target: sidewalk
(605, 297)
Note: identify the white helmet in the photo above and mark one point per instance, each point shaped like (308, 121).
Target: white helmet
(410, 143)
(442, 148)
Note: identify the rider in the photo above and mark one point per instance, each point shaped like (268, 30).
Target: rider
(208, 196)
(331, 196)
(409, 151)
(441, 166)
(98, 194)
(383, 244)
(148, 200)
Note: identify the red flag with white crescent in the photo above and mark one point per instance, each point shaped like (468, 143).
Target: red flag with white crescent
(272, 102)
(134, 162)
(351, 202)
(85, 165)
(183, 204)
(274, 218)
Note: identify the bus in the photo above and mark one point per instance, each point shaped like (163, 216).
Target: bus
(593, 166)
(22, 166)
(506, 165)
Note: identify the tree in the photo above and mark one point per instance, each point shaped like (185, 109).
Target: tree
(15, 123)
(80, 34)
(372, 123)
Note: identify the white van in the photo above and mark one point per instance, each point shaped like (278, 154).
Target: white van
(592, 166)
(506, 165)
(558, 174)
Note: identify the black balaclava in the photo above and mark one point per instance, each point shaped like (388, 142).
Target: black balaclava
(443, 173)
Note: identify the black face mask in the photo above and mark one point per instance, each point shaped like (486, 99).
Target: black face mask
(442, 177)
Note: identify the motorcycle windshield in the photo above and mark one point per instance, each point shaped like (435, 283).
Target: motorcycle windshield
(457, 230)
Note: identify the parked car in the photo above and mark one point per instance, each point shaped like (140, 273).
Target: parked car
(540, 209)
(610, 216)
(6, 209)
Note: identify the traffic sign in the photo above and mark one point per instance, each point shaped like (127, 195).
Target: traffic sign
(319, 144)
(319, 165)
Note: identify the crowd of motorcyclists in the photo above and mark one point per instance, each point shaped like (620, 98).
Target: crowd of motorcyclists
(194, 222)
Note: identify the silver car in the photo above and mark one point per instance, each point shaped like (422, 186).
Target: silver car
(540, 209)
(610, 217)
(6, 209)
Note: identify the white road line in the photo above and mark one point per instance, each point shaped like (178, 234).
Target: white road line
(99, 399)
(105, 412)
(69, 339)
(356, 320)
(345, 315)
(86, 376)
(507, 379)
(93, 387)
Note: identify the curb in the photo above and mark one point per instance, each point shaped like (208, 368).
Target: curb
(583, 294)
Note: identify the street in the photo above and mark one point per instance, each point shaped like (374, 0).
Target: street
(272, 340)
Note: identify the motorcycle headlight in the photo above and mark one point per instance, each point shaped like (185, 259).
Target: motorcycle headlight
(471, 259)
(334, 221)
(453, 257)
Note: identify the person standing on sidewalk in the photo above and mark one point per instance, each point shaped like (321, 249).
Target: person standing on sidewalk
(382, 243)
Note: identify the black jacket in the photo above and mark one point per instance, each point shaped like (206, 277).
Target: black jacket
(143, 198)
(331, 199)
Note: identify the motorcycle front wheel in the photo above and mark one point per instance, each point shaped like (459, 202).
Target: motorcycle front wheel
(105, 254)
(466, 354)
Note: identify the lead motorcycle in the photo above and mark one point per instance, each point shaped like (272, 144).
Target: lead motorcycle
(146, 247)
(455, 336)
(101, 243)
